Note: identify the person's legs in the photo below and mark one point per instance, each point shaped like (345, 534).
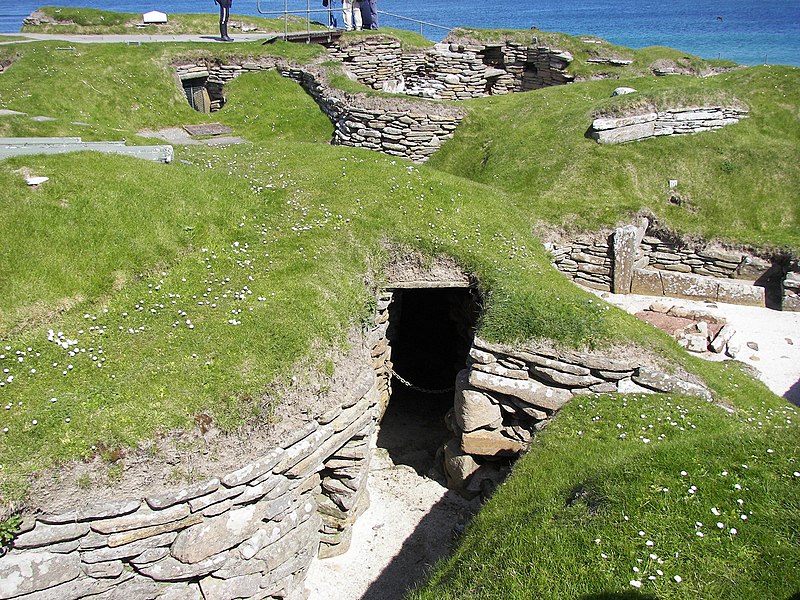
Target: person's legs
(357, 14)
(365, 16)
(224, 13)
(347, 14)
(373, 14)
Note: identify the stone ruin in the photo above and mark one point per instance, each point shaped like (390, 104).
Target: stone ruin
(640, 259)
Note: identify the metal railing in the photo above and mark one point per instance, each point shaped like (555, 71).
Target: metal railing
(331, 12)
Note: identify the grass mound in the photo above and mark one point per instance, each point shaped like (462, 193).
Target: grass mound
(671, 496)
(534, 146)
(138, 296)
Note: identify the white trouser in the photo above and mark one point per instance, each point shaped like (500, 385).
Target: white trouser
(351, 9)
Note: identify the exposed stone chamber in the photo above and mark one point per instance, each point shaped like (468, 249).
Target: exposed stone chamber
(634, 259)
(454, 70)
(675, 121)
(399, 128)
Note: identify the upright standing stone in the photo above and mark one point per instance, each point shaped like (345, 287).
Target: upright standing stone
(624, 258)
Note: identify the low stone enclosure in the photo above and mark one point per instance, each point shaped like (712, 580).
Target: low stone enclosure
(454, 69)
(398, 127)
(676, 121)
(639, 259)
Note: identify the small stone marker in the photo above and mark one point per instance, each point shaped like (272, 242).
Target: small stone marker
(673, 183)
(621, 91)
(208, 129)
(154, 17)
(34, 181)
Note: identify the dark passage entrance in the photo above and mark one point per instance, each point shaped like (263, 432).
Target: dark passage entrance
(430, 334)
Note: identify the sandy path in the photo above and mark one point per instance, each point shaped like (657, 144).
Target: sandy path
(409, 525)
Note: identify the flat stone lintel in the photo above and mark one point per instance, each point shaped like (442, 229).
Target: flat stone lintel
(404, 285)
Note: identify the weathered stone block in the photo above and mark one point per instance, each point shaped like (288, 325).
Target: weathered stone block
(128, 550)
(144, 517)
(473, 409)
(490, 443)
(736, 292)
(664, 382)
(647, 282)
(689, 285)
(89, 513)
(171, 569)
(28, 572)
(529, 391)
(45, 535)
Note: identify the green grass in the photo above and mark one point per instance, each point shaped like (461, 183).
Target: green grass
(592, 501)
(534, 146)
(199, 286)
(123, 89)
(96, 21)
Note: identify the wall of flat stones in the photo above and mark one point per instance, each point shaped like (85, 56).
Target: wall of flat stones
(588, 260)
(251, 533)
(453, 70)
(408, 129)
(628, 261)
(678, 121)
(505, 395)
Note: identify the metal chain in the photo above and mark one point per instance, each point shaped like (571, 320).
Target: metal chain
(417, 388)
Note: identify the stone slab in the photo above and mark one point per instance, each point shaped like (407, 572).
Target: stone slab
(161, 501)
(44, 535)
(647, 282)
(208, 129)
(529, 391)
(28, 572)
(490, 443)
(144, 517)
(689, 285)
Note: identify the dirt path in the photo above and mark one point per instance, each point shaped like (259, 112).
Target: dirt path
(410, 524)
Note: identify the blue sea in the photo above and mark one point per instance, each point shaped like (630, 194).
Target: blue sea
(746, 31)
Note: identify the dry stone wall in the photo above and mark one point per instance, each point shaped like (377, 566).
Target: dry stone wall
(251, 533)
(677, 121)
(404, 128)
(453, 70)
(505, 395)
(628, 261)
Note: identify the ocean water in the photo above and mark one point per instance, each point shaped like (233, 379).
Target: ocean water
(746, 31)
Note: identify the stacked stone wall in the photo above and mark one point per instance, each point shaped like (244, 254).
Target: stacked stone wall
(678, 121)
(251, 533)
(403, 128)
(665, 267)
(505, 395)
(454, 70)
(587, 260)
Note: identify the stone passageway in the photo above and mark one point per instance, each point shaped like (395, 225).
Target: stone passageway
(413, 519)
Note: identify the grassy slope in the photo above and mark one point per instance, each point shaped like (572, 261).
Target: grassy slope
(533, 146)
(604, 498)
(297, 224)
(95, 21)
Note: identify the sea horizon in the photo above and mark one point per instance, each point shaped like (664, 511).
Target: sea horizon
(748, 32)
